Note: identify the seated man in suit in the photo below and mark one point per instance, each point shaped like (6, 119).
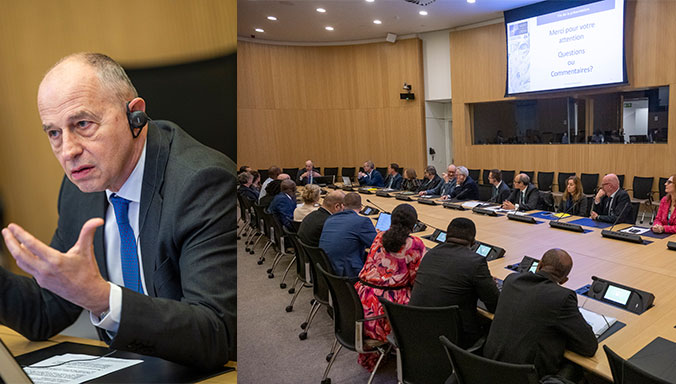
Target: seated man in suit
(612, 203)
(500, 190)
(346, 235)
(311, 227)
(370, 177)
(524, 197)
(393, 179)
(465, 187)
(284, 203)
(273, 172)
(430, 180)
(145, 240)
(537, 319)
(306, 175)
(245, 189)
(452, 274)
(446, 187)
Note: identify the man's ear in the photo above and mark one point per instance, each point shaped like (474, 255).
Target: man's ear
(563, 281)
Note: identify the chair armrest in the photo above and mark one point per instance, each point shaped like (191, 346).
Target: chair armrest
(359, 332)
(371, 318)
(478, 347)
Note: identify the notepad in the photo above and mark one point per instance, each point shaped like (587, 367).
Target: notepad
(598, 322)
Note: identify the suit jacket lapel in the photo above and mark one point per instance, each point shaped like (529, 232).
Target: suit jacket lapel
(157, 153)
(101, 205)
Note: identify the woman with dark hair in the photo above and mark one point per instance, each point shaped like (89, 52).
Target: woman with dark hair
(574, 201)
(411, 182)
(389, 272)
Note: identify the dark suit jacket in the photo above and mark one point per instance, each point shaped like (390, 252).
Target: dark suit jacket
(609, 213)
(532, 198)
(344, 237)
(188, 246)
(248, 192)
(500, 194)
(282, 207)
(536, 320)
(396, 181)
(451, 274)
(579, 209)
(428, 184)
(443, 188)
(375, 179)
(311, 227)
(304, 180)
(468, 190)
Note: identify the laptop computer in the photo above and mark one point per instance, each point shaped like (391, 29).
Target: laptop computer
(346, 181)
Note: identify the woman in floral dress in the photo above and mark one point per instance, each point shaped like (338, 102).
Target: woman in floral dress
(389, 272)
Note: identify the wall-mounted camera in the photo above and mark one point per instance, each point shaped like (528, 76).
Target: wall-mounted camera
(408, 95)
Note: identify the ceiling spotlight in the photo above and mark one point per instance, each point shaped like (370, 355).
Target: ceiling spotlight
(329, 28)
(272, 18)
(422, 13)
(370, 1)
(321, 10)
(377, 22)
(260, 30)
(471, 1)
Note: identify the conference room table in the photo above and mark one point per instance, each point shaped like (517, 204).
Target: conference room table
(19, 345)
(650, 268)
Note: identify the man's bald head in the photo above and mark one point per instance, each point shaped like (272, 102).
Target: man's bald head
(333, 202)
(557, 263)
(309, 165)
(283, 176)
(610, 183)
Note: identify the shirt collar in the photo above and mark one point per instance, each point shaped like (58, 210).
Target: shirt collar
(131, 189)
(614, 193)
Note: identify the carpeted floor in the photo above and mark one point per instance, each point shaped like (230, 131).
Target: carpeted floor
(269, 350)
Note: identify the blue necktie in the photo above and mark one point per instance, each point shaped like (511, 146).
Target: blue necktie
(128, 253)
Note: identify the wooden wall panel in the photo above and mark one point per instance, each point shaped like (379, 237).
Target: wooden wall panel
(338, 106)
(36, 33)
(478, 70)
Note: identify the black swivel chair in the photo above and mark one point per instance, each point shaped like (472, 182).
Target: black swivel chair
(320, 289)
(561, 180)
(530, 174)
(279, 245)
(302, 271)
(621, 178)
(590, 183)
(331, 171)
(642, 191)
(348, 321)
(469, 368)
(546, 201)
(347, 172)
(626, 372)
(484, 177)
(508, 178)
(545, 181)
(382, 171)
(293, 172)
(420, 356)
(485, 192)
(475, 174)
(661, 187)
(264, 174)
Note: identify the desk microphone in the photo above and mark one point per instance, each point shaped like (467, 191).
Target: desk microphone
(624, 236)
(569, 209)
(619, 216)
(567, 226)
(375, 205)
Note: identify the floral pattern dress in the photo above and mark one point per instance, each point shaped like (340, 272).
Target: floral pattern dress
(386, 269)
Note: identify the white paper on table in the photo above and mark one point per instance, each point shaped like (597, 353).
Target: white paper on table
(75, 372)
(598, 322)
(636, 230)
(471, 204)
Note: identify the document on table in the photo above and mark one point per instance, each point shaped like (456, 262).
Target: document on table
(636, 230)
(77, 368)
(471, 204)
(598, 322)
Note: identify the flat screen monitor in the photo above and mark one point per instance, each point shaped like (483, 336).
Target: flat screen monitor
(483, 250)
(384, 221)
(441, 237)
(556, 45)
(617, 295)
(533, 266)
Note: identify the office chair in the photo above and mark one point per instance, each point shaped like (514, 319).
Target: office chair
(320, 289)
(625, 372)
(475, 174)
(302, 271)
(484, 177)
(331, 171)
(642, 194)
(563, 176)
(530, 174)
(545, 181)
(590, 182)
(508, 178)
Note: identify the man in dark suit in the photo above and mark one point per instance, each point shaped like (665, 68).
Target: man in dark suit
(370, 177)
(446, 187)
(524, 197)
(284, 203)
(430, 181)
(500, 191)
(612, 203)
(245, 180)
(311, 227)
(307, 175)
(465, 188)
(346, 235)
(159, 277)
(452, 274)
(537, 319)
(393, 179)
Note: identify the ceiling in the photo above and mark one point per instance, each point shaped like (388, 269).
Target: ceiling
(352, 20)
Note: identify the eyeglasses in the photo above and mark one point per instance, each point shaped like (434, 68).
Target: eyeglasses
(669, 182)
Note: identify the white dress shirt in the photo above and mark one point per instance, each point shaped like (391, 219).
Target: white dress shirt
(131, 190)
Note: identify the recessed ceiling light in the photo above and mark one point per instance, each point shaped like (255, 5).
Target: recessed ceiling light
(272, 18)
(260, 30)
(471, 1)
(321, 10)
(370, 1)
(329, 28)
(423, 13)
(377, 22)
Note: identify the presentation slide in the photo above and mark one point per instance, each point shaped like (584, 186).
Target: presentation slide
(575, 47)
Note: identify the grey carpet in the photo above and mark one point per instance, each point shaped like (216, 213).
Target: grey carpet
(268, 347)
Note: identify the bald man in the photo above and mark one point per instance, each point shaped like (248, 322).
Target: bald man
(284, 203)
(537, 319)
(311, 227)
(146, 233)
(612, 203)
(306, 175)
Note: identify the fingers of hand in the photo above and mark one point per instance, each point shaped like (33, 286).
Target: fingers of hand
(86, 239)
(25, 259)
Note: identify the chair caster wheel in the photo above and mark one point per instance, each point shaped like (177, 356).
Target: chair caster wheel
(239, 237)
(292, 291)
(327, 381)
(247, 249)
(289, 308)
(269, 270)
(303, 335)
(303, 326)
(271, 275)
(282, 285)
(251, 252)
(260, 262)
(328, 357)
